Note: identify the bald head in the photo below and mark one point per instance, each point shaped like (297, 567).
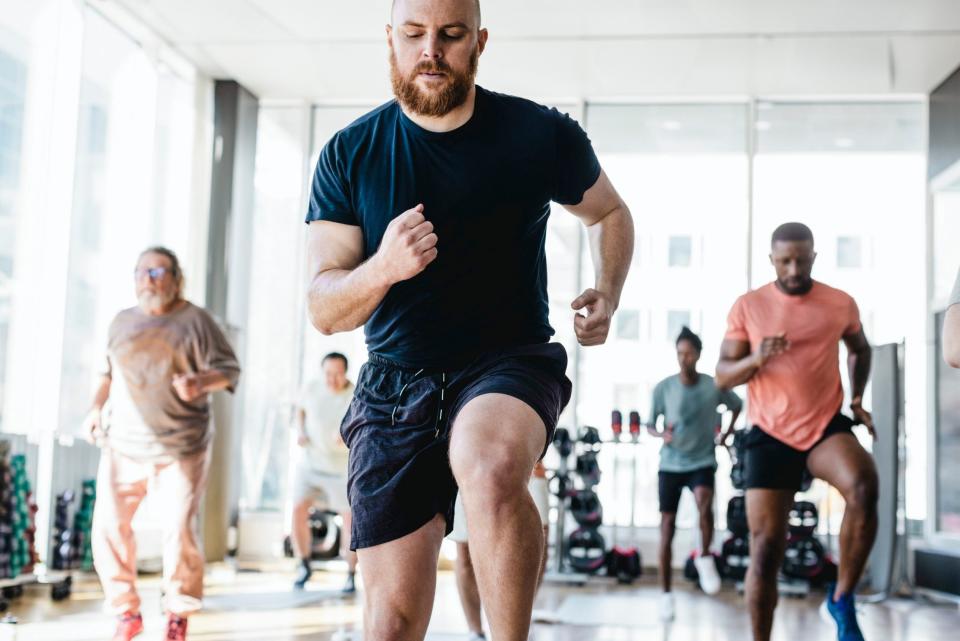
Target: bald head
(397, 4)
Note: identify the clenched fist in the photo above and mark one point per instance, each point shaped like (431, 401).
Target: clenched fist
(592, 328)
(408, 246)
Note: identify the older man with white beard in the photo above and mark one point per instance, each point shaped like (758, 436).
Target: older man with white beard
(164, 358)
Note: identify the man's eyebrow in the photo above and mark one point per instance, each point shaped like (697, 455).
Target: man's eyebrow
(452, 25)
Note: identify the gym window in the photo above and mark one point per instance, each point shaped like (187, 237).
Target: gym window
(849, 252)
(681, 250)
(628, 324)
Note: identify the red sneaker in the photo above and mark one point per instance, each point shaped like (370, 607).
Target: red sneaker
(129, 626)
(176, 628)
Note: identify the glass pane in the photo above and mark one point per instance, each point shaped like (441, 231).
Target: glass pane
(653, 154)
(848, 252)
(680, 250)
(628, 324)
(13, 96)
(855, 173)
(272, 368)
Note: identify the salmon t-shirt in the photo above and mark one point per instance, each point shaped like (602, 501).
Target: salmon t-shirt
(794, 395)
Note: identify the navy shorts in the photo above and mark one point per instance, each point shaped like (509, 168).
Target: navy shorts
(398, 429)
(769, 463)
(672, 484)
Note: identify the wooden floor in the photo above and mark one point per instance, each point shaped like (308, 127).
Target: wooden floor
(259, 606)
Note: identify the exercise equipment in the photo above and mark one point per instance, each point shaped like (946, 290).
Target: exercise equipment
(586, 550)
(737, 516)
(622, 562)
(585, 508)
(804, 558)
(735, 557)
(803, 519)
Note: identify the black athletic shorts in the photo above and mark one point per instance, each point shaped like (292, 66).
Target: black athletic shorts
(772, 464)
(672, 484)
(398, 430)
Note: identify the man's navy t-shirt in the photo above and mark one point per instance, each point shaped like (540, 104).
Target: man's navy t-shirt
(486, 187)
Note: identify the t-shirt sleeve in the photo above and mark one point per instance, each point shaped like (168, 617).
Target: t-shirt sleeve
(955, 295)
(657, 405)
(731, 399)
(330, 192)
(217, 354)
(737, 323)
(853, 318)
(577, 167)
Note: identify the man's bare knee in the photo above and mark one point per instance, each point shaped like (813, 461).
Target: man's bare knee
(863, 496)
(388, 624)
(766, 556)
(492, 478)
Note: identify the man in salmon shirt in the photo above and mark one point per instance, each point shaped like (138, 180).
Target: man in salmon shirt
(783, 341)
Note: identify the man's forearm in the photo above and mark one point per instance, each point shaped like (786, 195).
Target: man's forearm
(611, 247)
(951, 336)
(341, 300)
(858, 364)
(214, 380)
(733, 372)
(102, 394)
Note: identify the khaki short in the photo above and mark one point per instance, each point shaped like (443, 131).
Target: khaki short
(538, 490)
(327, 490)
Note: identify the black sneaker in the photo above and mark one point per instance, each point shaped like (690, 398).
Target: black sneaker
(303, 575)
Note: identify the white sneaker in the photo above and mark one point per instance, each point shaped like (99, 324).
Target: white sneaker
(707, 571)
(666, 607)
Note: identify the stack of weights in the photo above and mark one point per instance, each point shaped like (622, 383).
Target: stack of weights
(62, 535)
(82, 526)
(21, 554)
(735, 551)
(805, 557)
(6, 512)
(586, 547)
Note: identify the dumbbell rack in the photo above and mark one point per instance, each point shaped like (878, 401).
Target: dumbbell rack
(19, 529)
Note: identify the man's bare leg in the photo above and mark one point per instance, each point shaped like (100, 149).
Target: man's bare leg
(668, 521)
(495, 442)
(767, 512)
(392, 609)
(467, 587)
(842, 462)
(347, 554)
(704, 498)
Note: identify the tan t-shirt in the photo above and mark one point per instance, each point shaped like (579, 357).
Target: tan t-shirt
(324, 411)
(146, 418)
(796, 394)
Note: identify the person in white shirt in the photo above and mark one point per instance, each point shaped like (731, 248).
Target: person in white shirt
(321, 477)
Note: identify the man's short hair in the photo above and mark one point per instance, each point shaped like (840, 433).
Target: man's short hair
(686, 334)
(792, 232)
(336, 356)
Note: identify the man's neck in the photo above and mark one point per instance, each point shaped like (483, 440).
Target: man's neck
(454, 119)
(172, 306)
(689, 378)
(800, 292)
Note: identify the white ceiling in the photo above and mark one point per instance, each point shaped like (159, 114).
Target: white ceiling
(334, 50)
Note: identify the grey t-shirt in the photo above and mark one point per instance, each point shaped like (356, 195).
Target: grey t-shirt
(146, 418)
(692, 410)
(955, 294)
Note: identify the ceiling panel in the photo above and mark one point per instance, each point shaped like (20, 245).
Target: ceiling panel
(326, 50)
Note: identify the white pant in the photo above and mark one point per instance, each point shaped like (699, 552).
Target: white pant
(538, 490)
